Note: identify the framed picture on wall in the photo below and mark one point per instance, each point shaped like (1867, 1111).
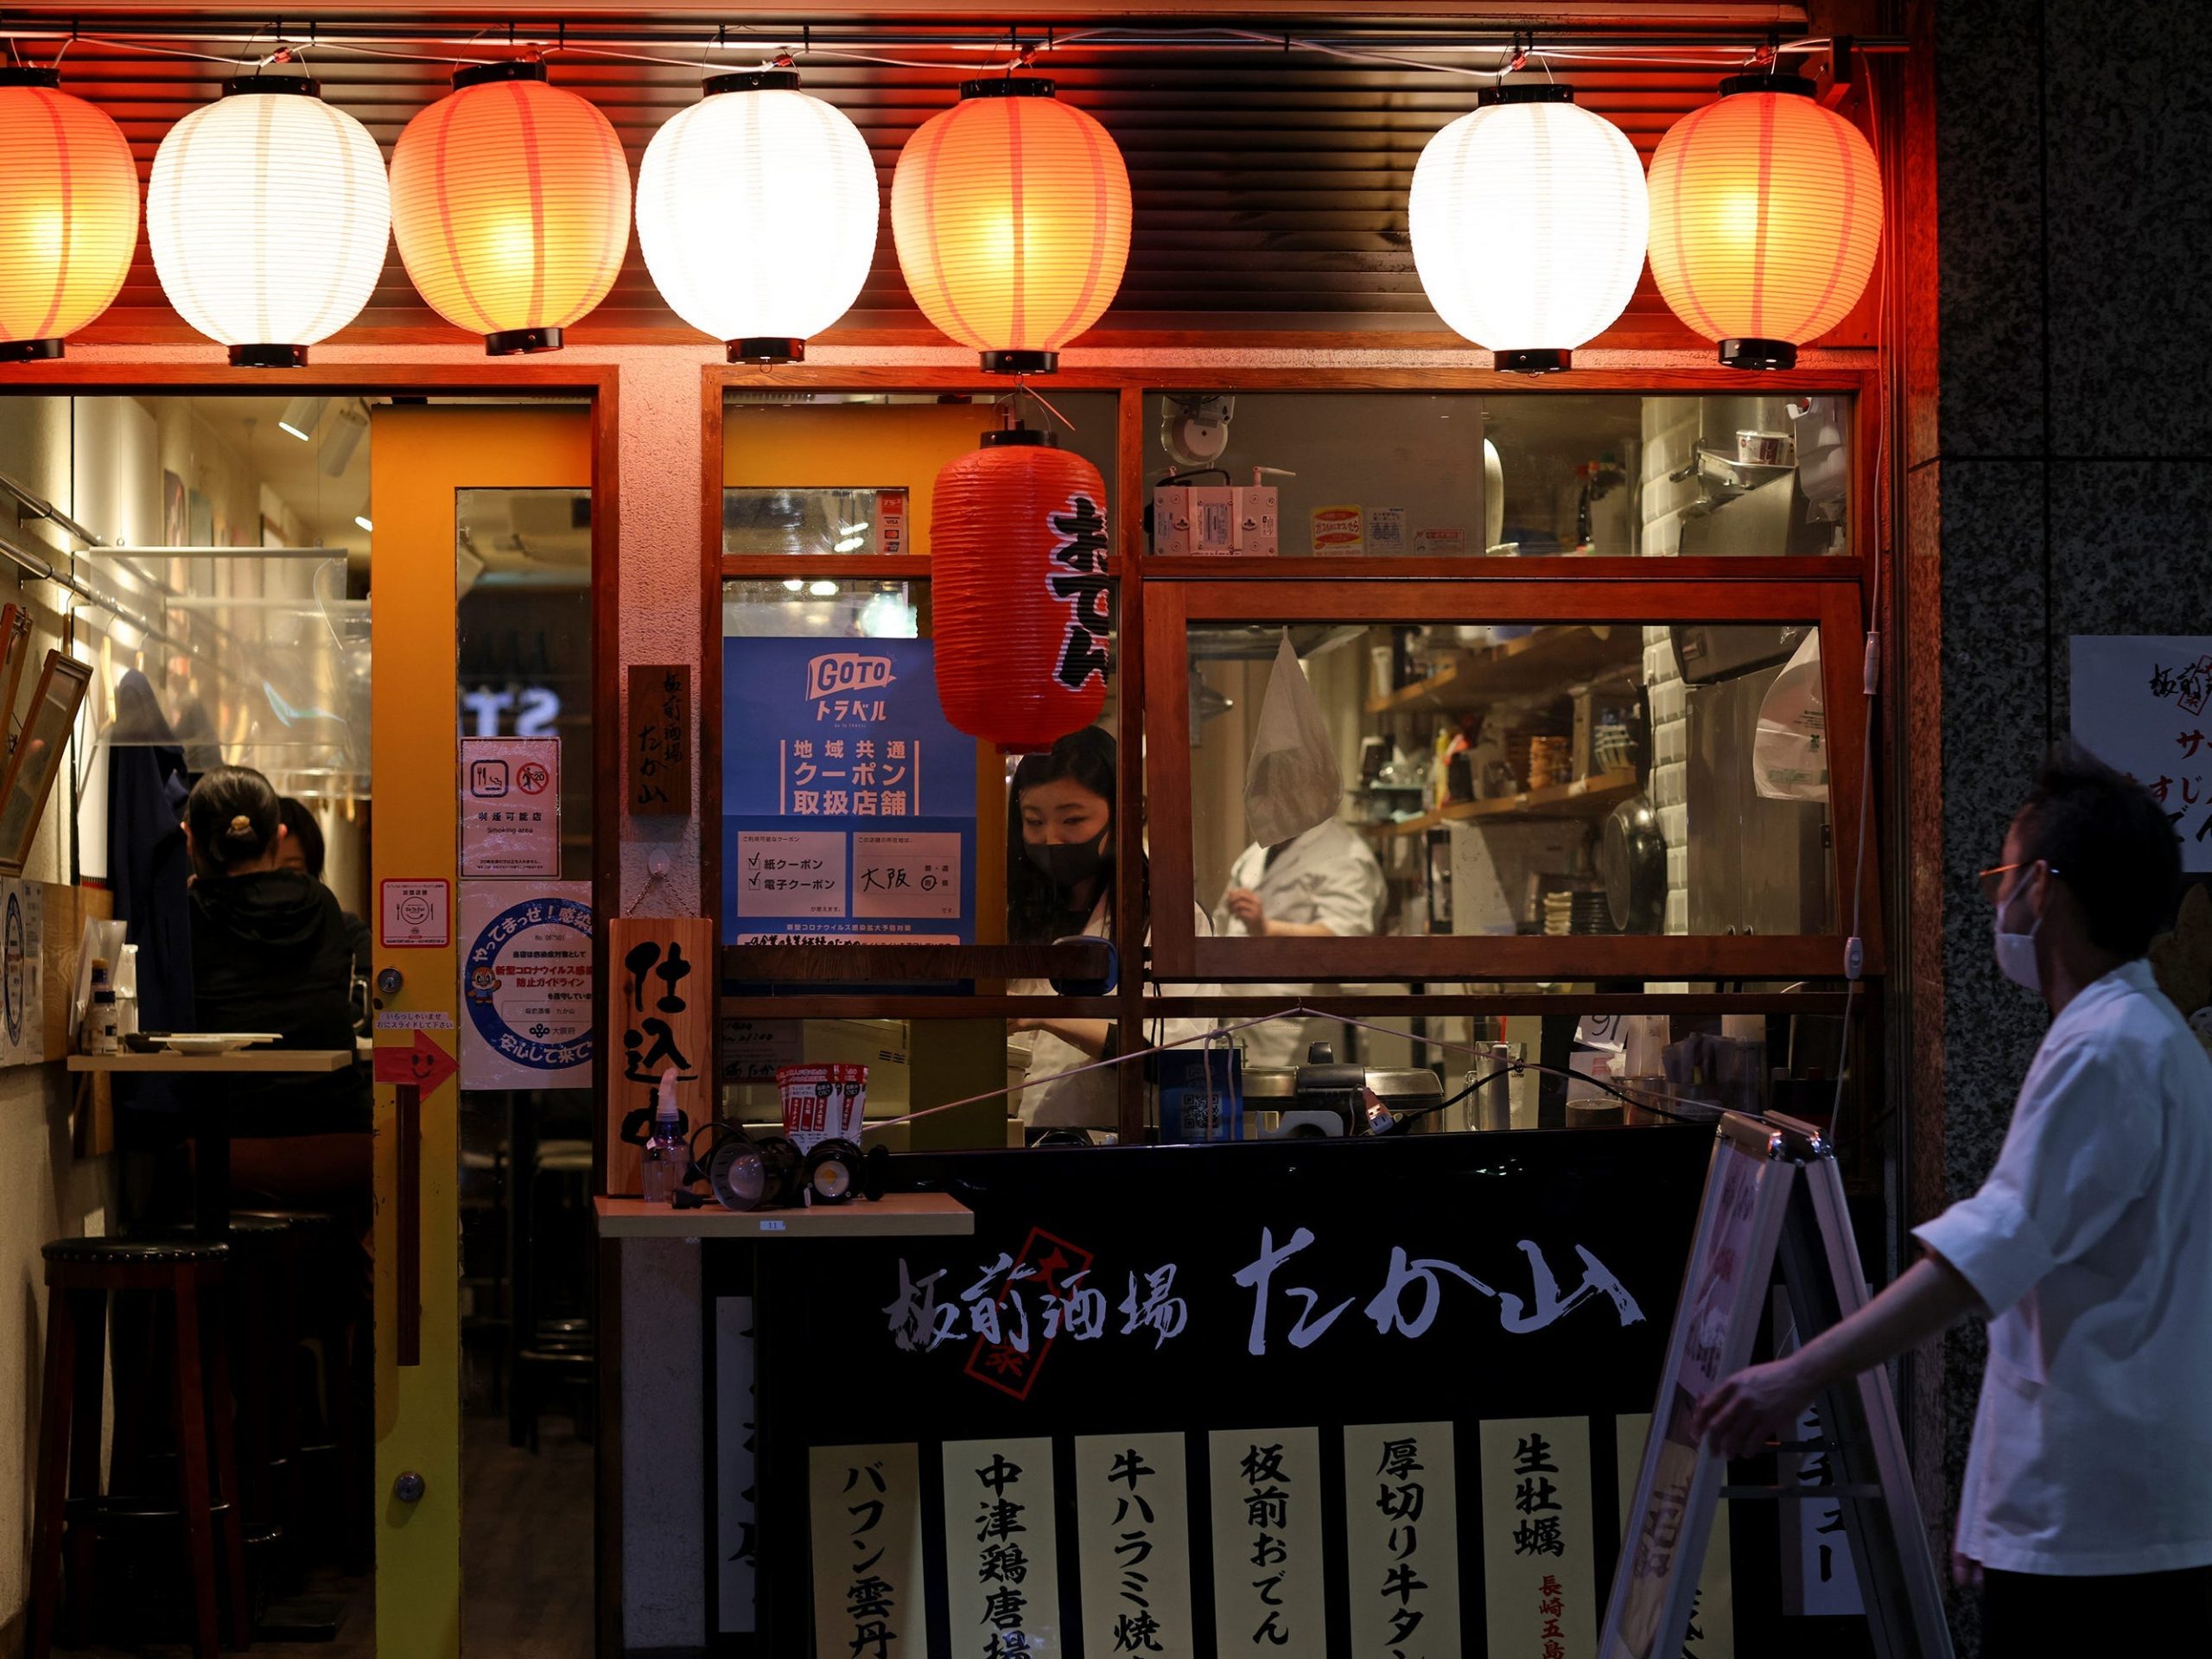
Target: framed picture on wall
(37, 757)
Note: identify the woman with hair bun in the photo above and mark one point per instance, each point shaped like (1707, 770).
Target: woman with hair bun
(270, 952)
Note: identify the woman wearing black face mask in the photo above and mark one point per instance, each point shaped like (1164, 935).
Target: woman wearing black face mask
(1060, 882)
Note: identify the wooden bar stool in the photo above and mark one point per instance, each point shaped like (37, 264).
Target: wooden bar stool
(81, 1274)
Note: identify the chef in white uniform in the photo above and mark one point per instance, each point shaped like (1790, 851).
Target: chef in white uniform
(2088, 1482)
(1323, 884)
(1060, 880)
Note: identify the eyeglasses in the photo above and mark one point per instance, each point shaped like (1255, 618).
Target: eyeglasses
(1992, 880)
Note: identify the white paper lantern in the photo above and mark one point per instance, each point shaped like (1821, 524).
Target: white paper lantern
(757, 214)
(269, 214)
(1528, 220)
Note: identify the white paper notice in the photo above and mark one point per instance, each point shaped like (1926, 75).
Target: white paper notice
(865, 1510)
(751, 1050)
(1133, 1530)
(416, 915)
(1539, 1545)
(1269, 1593)
(790, 872)
(736, 1506)
(898, 875)
(526, 983)
(511, 806)
(1402, 1534)
(2139, 704)
(1001, 1555)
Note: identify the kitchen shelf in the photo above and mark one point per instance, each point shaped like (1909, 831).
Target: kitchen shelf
(1585, 797)
(1552, 659)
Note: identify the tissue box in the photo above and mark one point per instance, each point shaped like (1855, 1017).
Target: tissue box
(1187, 521)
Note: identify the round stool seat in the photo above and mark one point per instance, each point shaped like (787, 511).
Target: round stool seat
(133, 1252)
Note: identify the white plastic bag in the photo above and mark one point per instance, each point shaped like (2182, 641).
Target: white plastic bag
(1789, 754)
(1292, 781)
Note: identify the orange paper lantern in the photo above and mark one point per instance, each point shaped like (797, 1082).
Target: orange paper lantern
(1011, 212)
(1766, 212)
(68, 214)
(1018, 553)
(511, 204)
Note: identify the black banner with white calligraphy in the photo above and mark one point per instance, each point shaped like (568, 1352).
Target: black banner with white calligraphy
(1260, 1323)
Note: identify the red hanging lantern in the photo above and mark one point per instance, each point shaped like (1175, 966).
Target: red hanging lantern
(1018, 555)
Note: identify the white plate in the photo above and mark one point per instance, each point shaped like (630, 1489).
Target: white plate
(215, 1042)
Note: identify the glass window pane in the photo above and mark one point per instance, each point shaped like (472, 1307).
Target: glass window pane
(1600, 473)
(1505, 778)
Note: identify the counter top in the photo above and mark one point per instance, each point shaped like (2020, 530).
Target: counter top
(894, 1216)
(242, 1059)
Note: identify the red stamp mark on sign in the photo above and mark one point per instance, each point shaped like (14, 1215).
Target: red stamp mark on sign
(1010, 1366)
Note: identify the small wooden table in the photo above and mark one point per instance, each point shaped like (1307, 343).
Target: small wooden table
(895, 1215)
(210, 1123)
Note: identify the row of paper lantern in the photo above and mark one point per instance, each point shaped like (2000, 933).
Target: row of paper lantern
(268, 213)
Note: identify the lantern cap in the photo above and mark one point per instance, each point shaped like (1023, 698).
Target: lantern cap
(24, 74)
(1750, 353)
(1011, 362)
(1007, 87)
(269, 357)
(1541, 360)
(1526, 92)
(28, 351)
(766, 350)
(1020, 437)
(521, 342)
(302, 85)
(750, 81)
(1796, 85)
(484, 74)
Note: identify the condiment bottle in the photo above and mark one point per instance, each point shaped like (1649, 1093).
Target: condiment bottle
(101, 1029)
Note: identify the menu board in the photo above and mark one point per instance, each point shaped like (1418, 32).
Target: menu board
(848, 802)
(2139, 704)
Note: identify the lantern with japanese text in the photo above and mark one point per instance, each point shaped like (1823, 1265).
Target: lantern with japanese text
(1011, 213)
(1766, 212)
(68, 213)
(1024, 624)
(510, 205)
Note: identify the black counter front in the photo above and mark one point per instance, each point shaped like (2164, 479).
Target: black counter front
(1370, 1397)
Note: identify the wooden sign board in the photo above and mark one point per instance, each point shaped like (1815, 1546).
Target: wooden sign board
(1772, 1194)
(662, 716)
(660, 1006)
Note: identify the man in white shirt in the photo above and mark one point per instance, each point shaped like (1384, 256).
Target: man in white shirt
(1323, 884)
(2088, 1486)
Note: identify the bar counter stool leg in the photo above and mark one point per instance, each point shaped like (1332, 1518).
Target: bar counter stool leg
(192, 1497)
(88, 1322)
(53, 1472)
(227, 1460)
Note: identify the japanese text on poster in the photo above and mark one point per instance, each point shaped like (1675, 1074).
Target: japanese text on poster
(1269, 1578)
(848, 802)
(526, 985)
(1402, 1536)
(1134, 1536)
(1539, 1567)
(509, 806)
(2140, 704)
(1002, 1553)
(870, 1601)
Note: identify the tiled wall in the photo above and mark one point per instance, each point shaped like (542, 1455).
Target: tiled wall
(1670, 435)
(2072, 462)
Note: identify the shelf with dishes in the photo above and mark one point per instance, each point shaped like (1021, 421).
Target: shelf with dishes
(1547, 660)
(1585, 797)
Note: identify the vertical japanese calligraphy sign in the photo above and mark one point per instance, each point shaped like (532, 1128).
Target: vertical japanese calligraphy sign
(1712, 1612)
(848, 802)
(1133, 1540)
(660, 1005)
(1054, 1266)
(2142, 703)
(1001, 1549)
(870, 1597)
(660, 739)
(1401, 1537)
(1538, 1537)
(1270, 1575)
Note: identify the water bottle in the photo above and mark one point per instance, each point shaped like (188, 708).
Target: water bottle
(667, 1154)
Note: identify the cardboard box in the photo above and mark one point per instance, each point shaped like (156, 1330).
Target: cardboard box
(1189, 520)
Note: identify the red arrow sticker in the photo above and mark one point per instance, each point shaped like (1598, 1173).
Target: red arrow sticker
(426, 1064)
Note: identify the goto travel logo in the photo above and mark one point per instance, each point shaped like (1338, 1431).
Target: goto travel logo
(845, 673)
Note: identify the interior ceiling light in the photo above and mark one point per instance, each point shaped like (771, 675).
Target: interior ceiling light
(302, 416)
(757, 214)
(1766, 213)
(361, 521)
(510, 205)
(1011, 213)
(68, 214)
(345, 435)
(1569, 186)
(268, 213)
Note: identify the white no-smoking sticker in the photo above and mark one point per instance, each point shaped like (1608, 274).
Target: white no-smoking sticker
(418, 915)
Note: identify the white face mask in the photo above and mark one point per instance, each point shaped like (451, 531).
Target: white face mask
(2016, 952)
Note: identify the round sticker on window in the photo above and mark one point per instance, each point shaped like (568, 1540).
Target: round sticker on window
(527, 983)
